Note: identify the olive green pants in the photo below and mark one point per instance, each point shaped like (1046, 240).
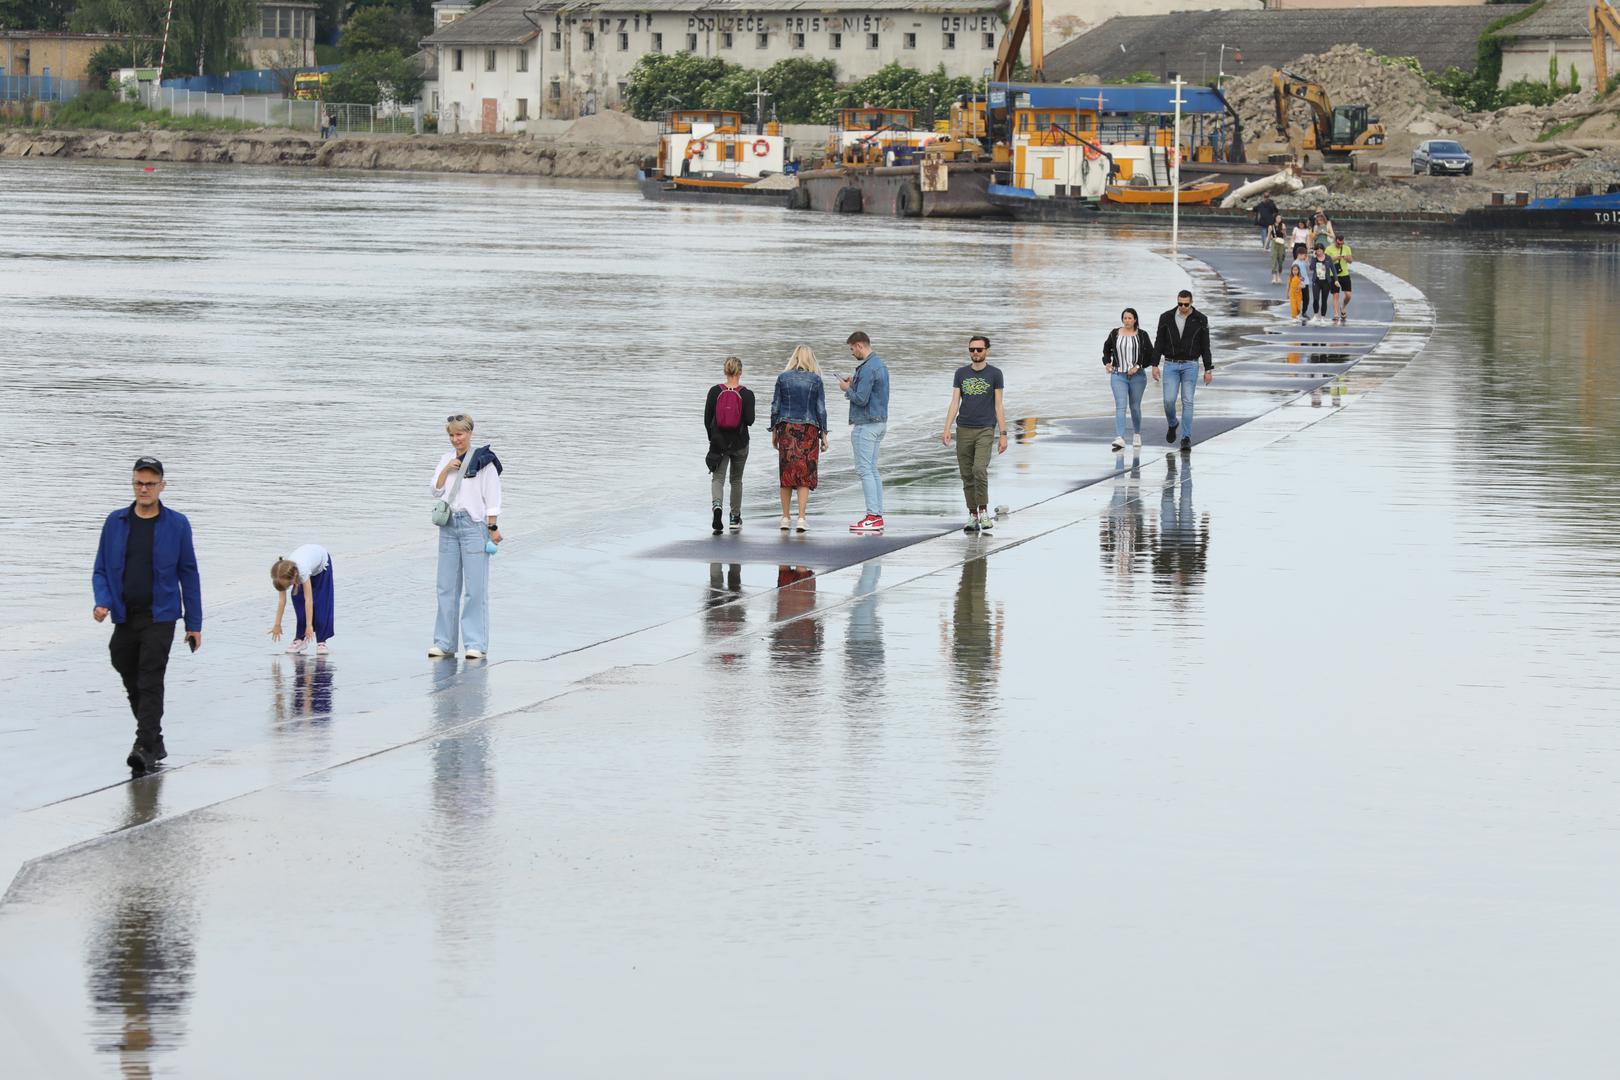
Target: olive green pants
(974, 445)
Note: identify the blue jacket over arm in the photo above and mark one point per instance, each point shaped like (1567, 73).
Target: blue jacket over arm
(868, 394)
(175, 581)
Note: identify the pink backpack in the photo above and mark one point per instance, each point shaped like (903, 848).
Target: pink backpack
(728, 408)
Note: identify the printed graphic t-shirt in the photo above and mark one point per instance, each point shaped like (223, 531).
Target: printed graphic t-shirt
(978, 395)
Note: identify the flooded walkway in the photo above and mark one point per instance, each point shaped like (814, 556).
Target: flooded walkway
(1308, 725)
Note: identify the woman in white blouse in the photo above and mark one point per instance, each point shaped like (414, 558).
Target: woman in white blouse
(475, 502)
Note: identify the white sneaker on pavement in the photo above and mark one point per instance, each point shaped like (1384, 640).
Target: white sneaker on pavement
(1136, 440)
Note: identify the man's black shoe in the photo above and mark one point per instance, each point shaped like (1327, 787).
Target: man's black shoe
(1170, 436)
(1186, 444)
(159, 751)
(718, 526)
(139, 759)
(736, 521)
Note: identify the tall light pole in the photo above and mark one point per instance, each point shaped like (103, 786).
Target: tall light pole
(1220, 63)
(1175, 171)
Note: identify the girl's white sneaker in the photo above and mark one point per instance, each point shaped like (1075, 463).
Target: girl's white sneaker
(296, 646)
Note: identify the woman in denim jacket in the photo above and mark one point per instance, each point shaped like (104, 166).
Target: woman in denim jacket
(799, 428)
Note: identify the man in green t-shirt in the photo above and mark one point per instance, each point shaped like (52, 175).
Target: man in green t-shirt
(1340, 256)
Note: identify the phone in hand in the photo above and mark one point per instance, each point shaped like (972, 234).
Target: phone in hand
(191, 641)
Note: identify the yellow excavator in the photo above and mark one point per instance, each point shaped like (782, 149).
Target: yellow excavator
(1605, 23)
(969, 132)
(1333, 133)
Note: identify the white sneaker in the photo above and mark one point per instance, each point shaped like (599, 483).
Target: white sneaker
(475, 654)
(786, 524)
(438, 653)
(1119, 443)
(801, 527)
(321, 649)
(296, 646)
(987, 521)
(1136, 440)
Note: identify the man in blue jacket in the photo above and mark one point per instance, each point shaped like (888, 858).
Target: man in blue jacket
(146, 573)
(868, 393)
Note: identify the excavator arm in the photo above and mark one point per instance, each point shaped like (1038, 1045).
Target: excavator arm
(1288, 87)
(1027, 19)
(1604, 21)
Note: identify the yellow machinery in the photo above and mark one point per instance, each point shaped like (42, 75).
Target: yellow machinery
(1333, 132)
(311, 85)
(970, 129)
(1605, 24)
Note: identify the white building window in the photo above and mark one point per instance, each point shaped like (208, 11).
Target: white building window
(523, 60)
(556, 89)
(624, 42)
(455, 60)
(691, 43)
(489, 59)
(725, 39)
(835, 41)
(658, 43)
(796, 41)
(556, 41)
(624, 88)
(435, 103)
(762, 41)
(522, 108)
(989, 40)
(908, 41)
(950, 40)
(871, 41)
(588, 41)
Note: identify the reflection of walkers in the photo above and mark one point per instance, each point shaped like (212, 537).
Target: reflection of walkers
(796, 635)
(1127, 354)
(727, 416)
(1340, 255)
(868, 392)
(1120, 532)
(1182, 341)
(470, 482)
(145, 578)
(976, 409)
(863, 640)
(307, 574)
(1324, 282)
(723, 616)
(1181, 553)
(977, 631)
(799, 428)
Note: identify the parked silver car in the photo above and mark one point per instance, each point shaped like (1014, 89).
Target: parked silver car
(1438, 157)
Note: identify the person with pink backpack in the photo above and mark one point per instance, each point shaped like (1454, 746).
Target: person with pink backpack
(727, 416)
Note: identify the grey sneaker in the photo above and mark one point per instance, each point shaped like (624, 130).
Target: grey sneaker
(973, 524)
(987, 522)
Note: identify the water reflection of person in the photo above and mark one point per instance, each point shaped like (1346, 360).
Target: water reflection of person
(1120, 531)
(863, 640)
(976, 636)
(463, 803)
(306, 697)
(723, 616)
(1180, 555)
(141, 957)
(795, 640)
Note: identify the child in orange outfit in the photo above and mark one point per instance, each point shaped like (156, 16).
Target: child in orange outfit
(1296, 292)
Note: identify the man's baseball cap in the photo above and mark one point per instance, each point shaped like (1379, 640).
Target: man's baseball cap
(148, 464)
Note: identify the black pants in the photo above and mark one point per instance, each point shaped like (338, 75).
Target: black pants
(140, 654)
(1319, 297)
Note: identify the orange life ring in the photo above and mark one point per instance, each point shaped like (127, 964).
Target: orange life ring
(761, 148)
(1092, 153)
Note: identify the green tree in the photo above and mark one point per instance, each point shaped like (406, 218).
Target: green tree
(661, 81)
(35, 14)
(202, 39)
(371, 77)
(895, 87)
(799, 89)
(379, 29)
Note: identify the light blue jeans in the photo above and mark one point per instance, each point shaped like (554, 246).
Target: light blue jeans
(1182, 376)
(866, 438)
(1128, 389)
(462, 562)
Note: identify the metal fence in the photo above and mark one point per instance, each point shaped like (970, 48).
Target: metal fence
(323, 116)
(39, 88)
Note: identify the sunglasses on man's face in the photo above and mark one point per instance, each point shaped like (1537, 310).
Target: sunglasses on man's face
(1183, 303)
(975, 348)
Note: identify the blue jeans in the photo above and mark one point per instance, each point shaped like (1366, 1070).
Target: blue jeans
(1128, 388)
(462, 562)
(1182, 376)
(866, 438)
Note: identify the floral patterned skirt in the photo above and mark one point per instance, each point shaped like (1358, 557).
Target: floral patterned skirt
(799, 447)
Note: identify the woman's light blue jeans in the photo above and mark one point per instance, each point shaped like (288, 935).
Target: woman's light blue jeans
(1128, 388)
(462, 562)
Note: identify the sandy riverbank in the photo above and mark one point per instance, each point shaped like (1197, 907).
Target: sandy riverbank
(409, 153)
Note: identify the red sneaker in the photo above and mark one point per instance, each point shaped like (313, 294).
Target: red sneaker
(871, 523)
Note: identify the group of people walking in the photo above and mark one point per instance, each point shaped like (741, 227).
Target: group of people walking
(976, 420)
(1177, 355)
(1313, 259)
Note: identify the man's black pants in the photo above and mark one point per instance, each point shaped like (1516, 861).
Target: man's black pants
(140, 654)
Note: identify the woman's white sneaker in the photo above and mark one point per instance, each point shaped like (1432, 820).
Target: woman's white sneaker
(1119, 443)
(438, 653)
(474, 654)
(1136, 440)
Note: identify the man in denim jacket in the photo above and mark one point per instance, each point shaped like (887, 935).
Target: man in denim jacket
(868, 393)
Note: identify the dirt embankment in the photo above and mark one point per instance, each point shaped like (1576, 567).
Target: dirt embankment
(1411, 111)
(573, 154)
